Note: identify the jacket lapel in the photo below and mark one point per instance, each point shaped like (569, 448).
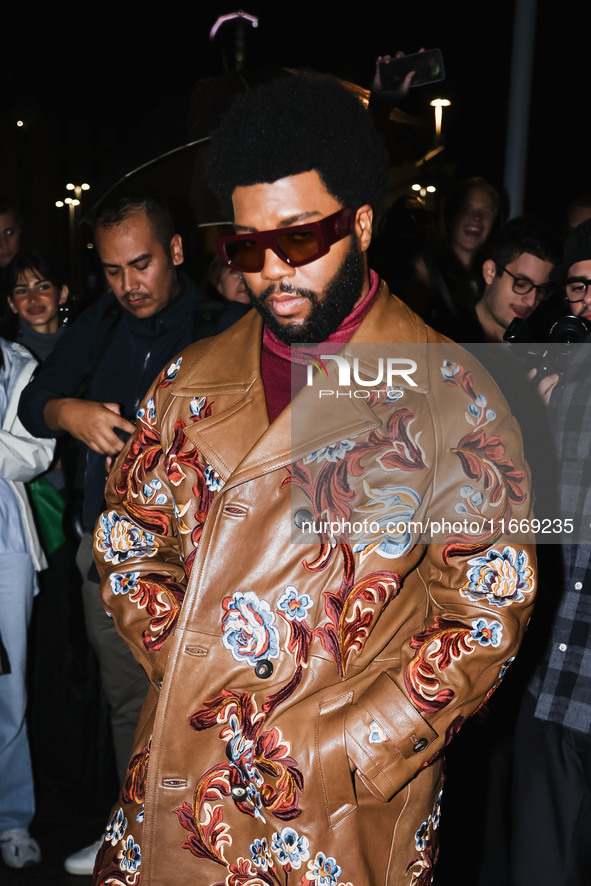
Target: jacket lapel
(228, 373)
(237, 439)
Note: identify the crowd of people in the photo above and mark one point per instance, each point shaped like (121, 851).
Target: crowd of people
(334, 674)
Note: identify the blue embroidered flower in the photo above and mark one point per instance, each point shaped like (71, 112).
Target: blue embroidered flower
(149, 413)
(140, 815)
(130, 856)
(123, 582)
(260, 854)
(501, 579)
(247, 628)
(196, 405)
(173, 369)
(479, 408)
(213, 480)
(473, 498)
(387, 517)
(294, 605)
(116, 828)
(119, 539)
(422, 835)
(332, 453)
(487, 633)
(150, 489)
(393, 394)
(436, 814)
(448, 370)
(290, 848)
(324, 870)
(376, 733)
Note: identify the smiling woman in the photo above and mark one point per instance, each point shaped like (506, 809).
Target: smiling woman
(37, 296)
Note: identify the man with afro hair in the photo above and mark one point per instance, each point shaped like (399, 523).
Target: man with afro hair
(310, 652)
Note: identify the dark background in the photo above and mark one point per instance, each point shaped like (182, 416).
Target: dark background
(104, 88)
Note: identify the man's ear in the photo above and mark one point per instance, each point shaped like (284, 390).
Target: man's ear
(363, 226)
(489, 271)
(64, 293)
(176, 250)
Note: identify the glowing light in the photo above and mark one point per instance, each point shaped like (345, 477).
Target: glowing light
(439, 104)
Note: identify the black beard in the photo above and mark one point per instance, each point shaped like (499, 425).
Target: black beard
(327, 314)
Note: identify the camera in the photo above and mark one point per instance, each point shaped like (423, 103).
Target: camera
(547, 337)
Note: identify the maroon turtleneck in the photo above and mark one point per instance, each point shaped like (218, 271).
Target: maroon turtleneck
(278, 359)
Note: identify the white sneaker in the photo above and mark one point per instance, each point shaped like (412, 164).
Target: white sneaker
(19, 850)
(82, 862)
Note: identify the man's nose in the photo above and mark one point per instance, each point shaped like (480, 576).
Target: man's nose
(128, 279)
(275, 268)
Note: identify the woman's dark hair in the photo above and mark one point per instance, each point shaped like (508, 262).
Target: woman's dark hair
(42, 265)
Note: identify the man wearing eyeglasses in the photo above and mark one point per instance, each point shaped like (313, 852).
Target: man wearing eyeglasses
(305, 679)
(552, 769)
(517, 276)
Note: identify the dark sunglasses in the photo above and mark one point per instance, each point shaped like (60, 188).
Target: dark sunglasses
(296, 246)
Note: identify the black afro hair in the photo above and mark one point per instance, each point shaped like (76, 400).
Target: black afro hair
(296, 123)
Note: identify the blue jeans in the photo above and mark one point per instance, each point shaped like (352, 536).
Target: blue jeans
(17, 801)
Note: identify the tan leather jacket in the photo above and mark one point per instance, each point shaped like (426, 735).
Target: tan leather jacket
(302, 692)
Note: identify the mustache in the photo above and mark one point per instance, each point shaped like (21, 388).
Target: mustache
(283, 289)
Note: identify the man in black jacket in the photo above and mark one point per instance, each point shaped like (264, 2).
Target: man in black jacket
(90, 387)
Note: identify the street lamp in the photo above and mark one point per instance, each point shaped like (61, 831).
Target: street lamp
(72, 202)
(439, 104)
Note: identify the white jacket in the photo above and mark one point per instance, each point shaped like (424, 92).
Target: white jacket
(22, 457)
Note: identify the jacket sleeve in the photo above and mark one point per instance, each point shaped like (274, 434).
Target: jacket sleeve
(22, 456)
(138, 544)
(476, 590)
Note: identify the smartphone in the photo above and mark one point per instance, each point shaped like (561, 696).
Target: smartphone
(428, 68)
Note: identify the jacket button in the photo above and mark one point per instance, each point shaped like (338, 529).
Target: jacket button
(238, 792)
(419, 745)
(303, 516)
(263, 669)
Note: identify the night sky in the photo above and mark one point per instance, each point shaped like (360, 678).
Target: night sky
(96, 96)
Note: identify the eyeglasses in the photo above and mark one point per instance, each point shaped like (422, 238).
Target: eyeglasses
(576, 289)
(523, 286)
(296, 246)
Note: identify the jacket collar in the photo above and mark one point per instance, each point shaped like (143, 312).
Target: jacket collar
(237, 439)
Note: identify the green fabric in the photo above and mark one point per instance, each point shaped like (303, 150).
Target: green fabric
(48, 506)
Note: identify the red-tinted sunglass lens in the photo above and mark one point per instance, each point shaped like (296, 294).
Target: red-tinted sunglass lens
(298, 247)
(245, 255)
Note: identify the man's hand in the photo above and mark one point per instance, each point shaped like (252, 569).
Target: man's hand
(377, 88)
(546, 385)
(91, 422)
